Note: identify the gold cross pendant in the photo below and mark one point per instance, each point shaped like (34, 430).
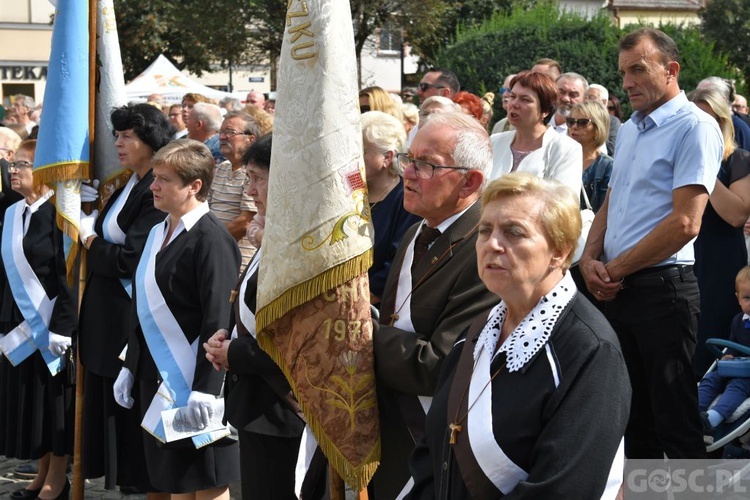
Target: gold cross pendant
(455, 429)
(233, 296)
(394, 317)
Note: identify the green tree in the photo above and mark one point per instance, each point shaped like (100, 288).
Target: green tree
(483, 55)
(437, 27)
(726, 23)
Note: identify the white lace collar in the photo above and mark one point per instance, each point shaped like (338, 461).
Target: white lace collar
(532, 332)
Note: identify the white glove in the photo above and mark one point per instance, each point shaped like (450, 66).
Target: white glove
(200, 409)
(123, 386)
(86, 225)
(58, 344)
(89, 193)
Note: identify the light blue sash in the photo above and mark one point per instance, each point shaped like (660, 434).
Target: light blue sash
(30, 297)
(175, 358)
(112, 232)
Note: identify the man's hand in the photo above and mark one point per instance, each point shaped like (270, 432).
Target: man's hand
(598, 280)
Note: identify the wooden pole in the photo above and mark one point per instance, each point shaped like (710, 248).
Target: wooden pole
(336, 484)
(78, 479)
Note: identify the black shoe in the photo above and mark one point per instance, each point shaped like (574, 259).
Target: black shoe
(24, 494)
(132, 490)
(708, 430)
(29, 470)
(64, 494)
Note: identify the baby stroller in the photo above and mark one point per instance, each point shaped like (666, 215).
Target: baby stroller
(738, 424)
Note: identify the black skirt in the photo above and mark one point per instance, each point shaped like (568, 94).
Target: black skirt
(180, 468)
(112, 437)
(37, 410)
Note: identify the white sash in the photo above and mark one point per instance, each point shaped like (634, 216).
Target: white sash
(112, 231)
(174, 356)
(30, 297)
(247, 317)
(495, 464)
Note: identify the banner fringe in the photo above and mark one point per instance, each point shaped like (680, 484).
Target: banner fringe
(357, 477)
(61, 172)
(308, 290)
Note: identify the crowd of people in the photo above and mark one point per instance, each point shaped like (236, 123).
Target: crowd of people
(506, 362)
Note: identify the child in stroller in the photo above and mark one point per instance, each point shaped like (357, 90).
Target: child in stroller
(733, 390)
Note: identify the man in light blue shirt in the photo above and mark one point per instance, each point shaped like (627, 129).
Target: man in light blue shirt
(639, 254)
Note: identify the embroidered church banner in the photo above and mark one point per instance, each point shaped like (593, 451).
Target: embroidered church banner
(313, 292)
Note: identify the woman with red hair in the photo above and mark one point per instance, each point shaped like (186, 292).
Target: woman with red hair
(470, 104)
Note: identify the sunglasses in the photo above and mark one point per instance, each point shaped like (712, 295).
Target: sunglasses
(424, 86)
(364, 109)
(581, 122)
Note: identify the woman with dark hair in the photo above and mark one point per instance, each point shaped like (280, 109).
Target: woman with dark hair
(181, 286)
(112, 444)
(256, 392)
(614, 108)
(533, 147)
(37, 321)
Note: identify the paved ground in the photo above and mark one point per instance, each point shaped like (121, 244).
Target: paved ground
(94, 488)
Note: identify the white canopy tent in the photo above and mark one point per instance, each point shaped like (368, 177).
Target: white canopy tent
(163, 78)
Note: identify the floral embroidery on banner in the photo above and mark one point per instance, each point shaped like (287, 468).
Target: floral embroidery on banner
(534, 330)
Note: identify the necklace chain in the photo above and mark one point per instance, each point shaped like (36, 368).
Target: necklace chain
(456, 426)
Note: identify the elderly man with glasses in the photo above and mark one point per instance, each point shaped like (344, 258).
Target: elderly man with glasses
(433, 289)
(228, 198)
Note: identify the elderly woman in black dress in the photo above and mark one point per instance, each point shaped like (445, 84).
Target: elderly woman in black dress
(112, 436)
(37, 321)
(181, 290)
(533, 401)
(256, 392)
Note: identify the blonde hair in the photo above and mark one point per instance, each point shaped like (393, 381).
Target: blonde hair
(263, 118)
(599, 116)
(560, 215)
(190, 160)
(380, 100)
(715, 100)
(743, 276)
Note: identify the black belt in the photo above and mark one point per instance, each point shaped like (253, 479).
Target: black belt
(657, 276)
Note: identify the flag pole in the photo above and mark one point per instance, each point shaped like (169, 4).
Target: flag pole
(78, 479)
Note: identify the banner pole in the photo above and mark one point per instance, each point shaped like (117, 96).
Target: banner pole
(78, 479)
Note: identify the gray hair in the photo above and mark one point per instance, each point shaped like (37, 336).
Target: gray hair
(231, 104)
(603, 92)
(9, 138)
(574, 76)
(472, 149)
(436, 104)
(27, 101)
(250, 125)
(386, 133)
(720, 85)
(209, 114)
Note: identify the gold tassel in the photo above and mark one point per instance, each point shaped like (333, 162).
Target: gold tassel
(308, 290)
(61, 172)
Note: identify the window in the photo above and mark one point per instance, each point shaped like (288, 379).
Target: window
(390, 40)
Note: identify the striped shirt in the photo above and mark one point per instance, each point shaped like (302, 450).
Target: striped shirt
(227, 198)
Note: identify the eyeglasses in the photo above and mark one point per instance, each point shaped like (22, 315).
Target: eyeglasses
(581, 122)
(19, 165)
(424, 86)
(504, 90)
(232, 133)
(422, 169)
(364, 109)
